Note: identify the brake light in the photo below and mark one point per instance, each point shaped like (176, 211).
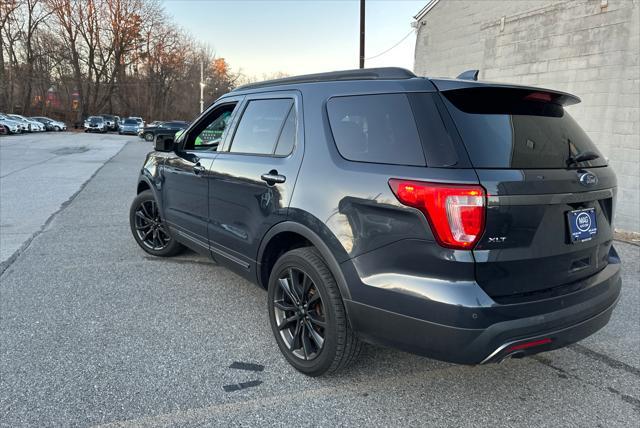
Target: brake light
(455, 212)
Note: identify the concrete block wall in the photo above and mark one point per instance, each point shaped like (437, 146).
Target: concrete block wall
(590, 48)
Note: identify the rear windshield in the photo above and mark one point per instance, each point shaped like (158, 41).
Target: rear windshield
(520, 129)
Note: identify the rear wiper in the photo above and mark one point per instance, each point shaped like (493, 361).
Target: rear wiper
(582, 157)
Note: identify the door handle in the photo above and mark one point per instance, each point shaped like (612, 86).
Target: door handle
(272, 177)
(198, 169)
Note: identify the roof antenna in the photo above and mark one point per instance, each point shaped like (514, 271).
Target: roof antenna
(469, 75)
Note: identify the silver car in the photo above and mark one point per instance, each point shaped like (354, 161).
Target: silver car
(129, 126)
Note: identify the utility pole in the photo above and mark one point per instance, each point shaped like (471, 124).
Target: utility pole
(361, 33)
(201, 86)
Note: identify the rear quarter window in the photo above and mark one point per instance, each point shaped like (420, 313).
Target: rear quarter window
(375, 128)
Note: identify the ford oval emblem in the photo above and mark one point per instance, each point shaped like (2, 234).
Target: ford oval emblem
(588, 179)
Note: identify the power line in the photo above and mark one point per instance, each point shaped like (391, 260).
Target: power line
(384, 52)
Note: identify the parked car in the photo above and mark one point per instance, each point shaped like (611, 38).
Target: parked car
(129, 126)
(461, 220)
(139, 120)
(24, 125)
(10, 126)
(149, 132)
(29, 125)
(111, 122)
(95, 124)
(50, 124)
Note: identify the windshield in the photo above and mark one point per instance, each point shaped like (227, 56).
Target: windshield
(130, 122)
(94, 119)
(515, 129)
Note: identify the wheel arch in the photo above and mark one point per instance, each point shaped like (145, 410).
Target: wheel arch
(296, 233)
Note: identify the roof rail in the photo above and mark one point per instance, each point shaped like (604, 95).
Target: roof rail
(357, 74)
(468, 75)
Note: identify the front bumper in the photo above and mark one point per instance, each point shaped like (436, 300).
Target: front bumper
(485, 331)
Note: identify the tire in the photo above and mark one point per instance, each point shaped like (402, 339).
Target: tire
(148, 136)
(326, 318)
(57, 129)
(159, 241)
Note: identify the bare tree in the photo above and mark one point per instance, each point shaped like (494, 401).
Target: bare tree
(72, 58)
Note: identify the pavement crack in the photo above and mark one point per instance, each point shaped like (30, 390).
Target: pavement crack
(564, 374)
(611, 362)
(626, 398)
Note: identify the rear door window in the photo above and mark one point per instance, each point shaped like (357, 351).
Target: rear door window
(376, 128)
(507, 128)
(260, 126)
(287, 138)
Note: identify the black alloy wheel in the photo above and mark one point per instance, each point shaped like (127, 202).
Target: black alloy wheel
(148, 228)
(307, 315)
(299, 313)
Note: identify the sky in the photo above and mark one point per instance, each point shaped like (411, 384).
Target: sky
(264, 37)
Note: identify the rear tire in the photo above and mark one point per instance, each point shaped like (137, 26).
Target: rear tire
(149, 229)
(318, 316)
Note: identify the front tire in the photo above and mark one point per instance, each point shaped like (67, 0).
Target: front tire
(148, 228)
(307, 315)
(148, 136)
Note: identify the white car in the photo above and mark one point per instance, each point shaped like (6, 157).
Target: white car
(32, 125)
(50, 124)
(95, 124)
(22, 124)
(8, 126)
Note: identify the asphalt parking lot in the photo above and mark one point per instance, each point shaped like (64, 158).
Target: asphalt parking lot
(94, 331)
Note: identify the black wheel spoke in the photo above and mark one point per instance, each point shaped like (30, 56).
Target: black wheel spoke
(146, 234)
(315, 336)
(283, 306)
(315, 298)
(297, 335)
(317, 322)
(141, 215)
(293, 278)
(146, 211)
(306, 285)
(306, 344)
(284, 285)
(287, 322)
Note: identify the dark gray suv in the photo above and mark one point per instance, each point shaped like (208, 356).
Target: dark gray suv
(461, 220)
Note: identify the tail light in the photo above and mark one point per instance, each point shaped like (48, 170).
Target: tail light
(455, 212)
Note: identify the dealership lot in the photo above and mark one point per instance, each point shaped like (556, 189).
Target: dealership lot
(94, 331)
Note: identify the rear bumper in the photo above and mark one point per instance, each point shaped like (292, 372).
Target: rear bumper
(486, 332)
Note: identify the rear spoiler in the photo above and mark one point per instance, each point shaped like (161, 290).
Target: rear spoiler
(536, 94)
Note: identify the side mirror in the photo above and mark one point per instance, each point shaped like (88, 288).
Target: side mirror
(164, 143)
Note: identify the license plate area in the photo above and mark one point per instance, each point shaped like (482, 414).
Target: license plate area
(582, 224)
